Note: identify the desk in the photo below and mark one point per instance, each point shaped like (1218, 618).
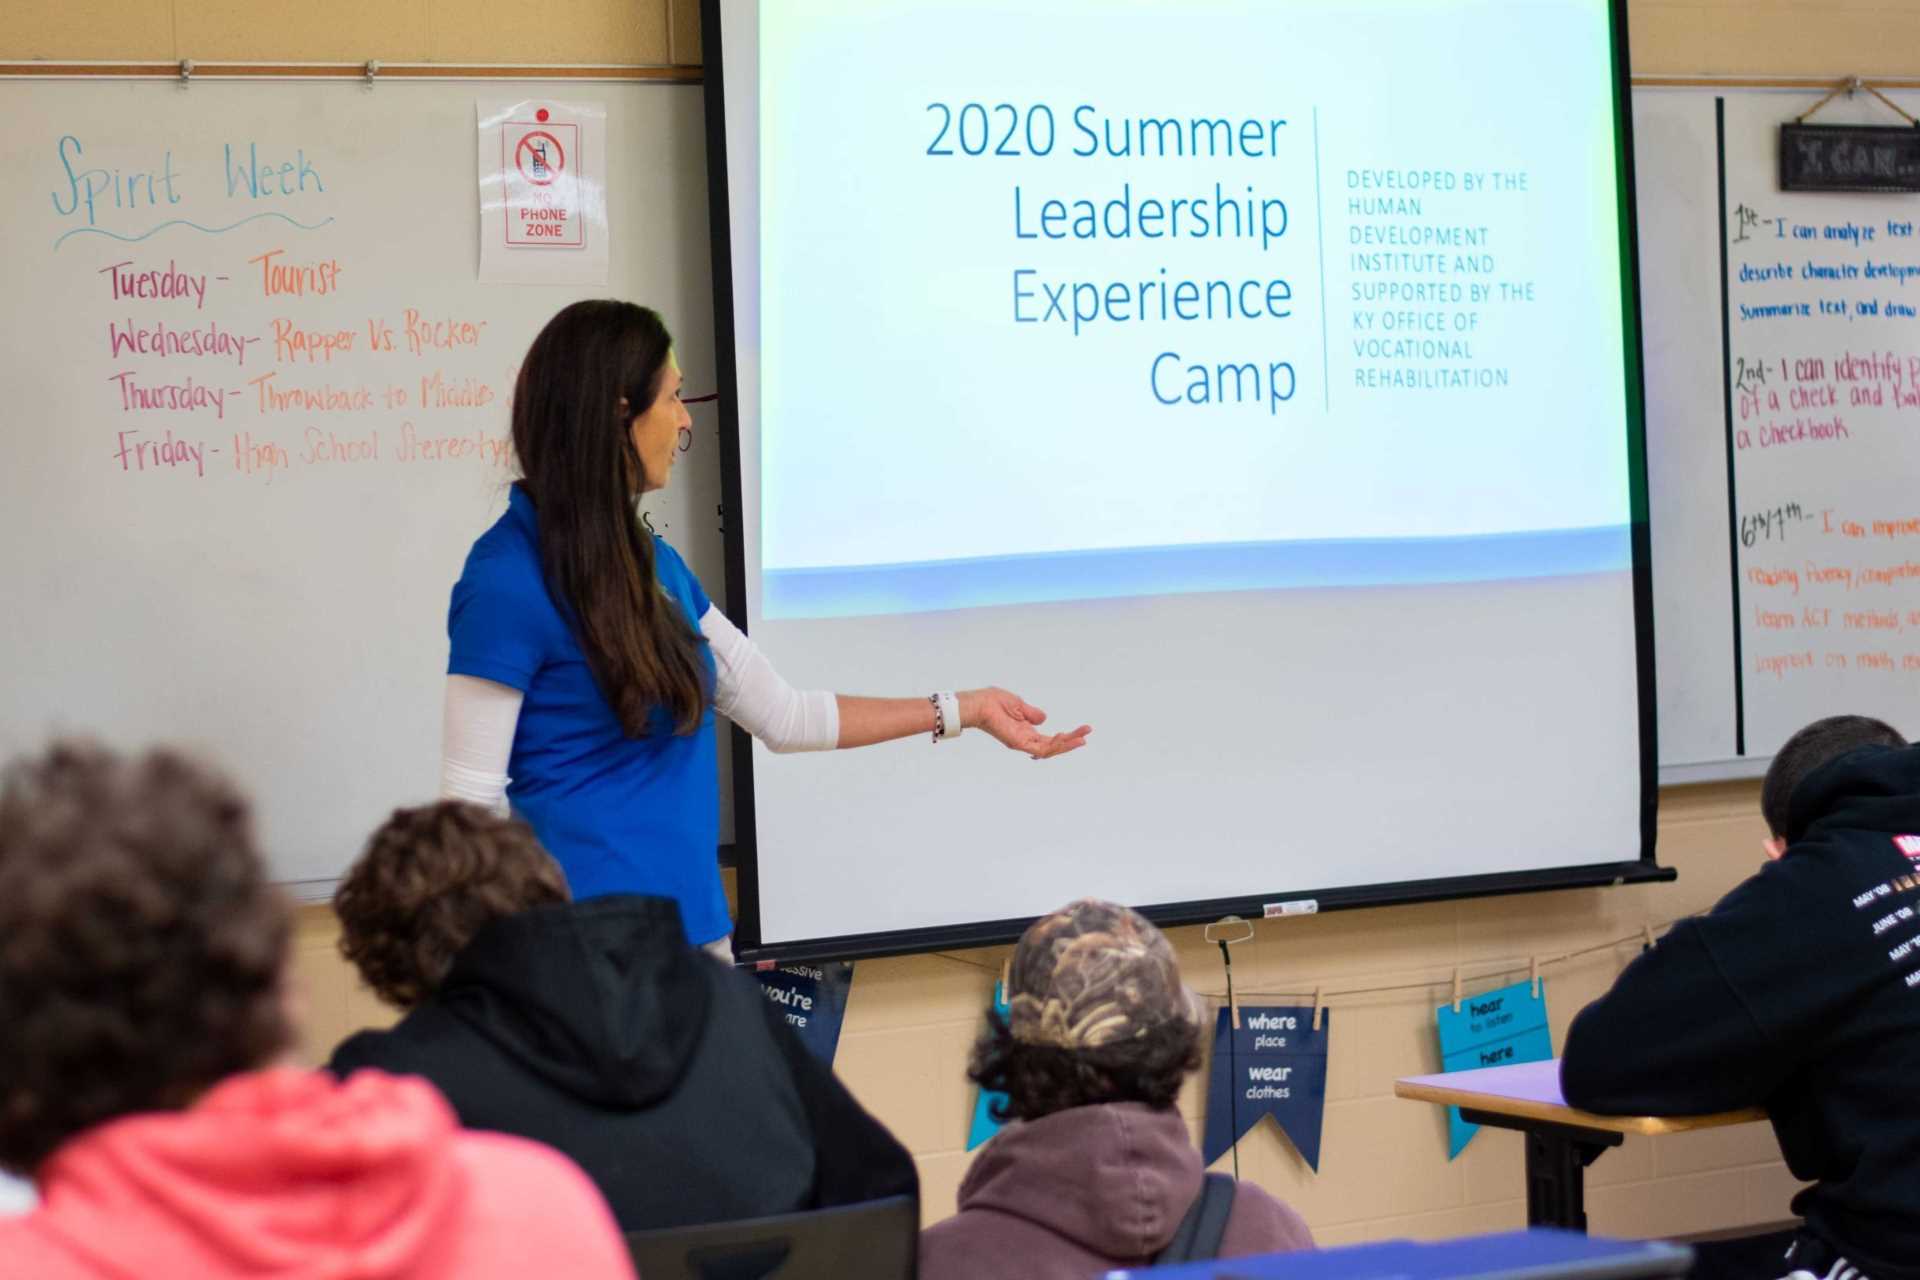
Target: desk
(1561, 1140)
(1561, 1254)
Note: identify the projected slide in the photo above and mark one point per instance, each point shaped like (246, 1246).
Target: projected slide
(1095, 299)
(1252, 380)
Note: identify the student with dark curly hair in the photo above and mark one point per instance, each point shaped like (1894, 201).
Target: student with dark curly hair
(595, 1028)
(1099, 1171)
(143, 964)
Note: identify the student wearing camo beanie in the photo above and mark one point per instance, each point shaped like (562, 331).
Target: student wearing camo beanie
(1098, 1169)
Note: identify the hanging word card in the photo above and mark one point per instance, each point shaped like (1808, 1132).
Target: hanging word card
(1493, 1029)
(984, 1126)
(1274, 1065)
(814, 997)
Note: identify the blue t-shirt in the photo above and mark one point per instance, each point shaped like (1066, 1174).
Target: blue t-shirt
(620, 814)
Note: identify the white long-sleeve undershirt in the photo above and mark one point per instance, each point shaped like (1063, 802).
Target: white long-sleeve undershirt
(476, 740)
(749, 692)
(480, 716)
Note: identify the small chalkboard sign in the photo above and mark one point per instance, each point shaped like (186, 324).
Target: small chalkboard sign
(1849, 157)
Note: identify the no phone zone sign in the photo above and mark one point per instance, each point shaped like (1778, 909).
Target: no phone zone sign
(541, 162)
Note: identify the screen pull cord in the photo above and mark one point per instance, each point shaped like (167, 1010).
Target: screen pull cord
(1226, 931)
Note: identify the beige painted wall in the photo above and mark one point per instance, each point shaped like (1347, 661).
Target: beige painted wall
(1670, 37)
(637, 33)
(1384, 1170)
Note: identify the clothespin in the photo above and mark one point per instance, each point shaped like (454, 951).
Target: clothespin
(1533, 964)
(1316, 1008)
(1646, 932)
(1456, 988)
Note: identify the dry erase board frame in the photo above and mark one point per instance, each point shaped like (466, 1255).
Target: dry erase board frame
(1643, 868)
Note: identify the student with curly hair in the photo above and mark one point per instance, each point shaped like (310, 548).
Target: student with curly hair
(1099, 1171)
(595, 1028)
(143, 967)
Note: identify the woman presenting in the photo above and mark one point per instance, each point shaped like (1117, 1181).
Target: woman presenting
(587, 663)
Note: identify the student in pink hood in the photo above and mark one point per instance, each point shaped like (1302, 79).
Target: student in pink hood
(1100, 1170)
(143, 963)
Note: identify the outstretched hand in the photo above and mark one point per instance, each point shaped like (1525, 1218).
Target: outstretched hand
(1011, 719)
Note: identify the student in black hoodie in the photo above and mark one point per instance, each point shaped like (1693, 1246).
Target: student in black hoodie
(1799, 992)
(595, 1027)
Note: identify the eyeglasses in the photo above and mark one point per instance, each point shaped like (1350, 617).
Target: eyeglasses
(621, 406)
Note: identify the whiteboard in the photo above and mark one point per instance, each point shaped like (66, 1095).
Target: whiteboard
(1781, 456)
(276, 594)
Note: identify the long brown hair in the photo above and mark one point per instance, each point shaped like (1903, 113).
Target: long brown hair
(580, 467)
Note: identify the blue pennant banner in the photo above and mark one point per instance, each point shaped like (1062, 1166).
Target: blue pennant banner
(1492, 1029)
(814, 999)
(1275, 1064)
(984, 1126)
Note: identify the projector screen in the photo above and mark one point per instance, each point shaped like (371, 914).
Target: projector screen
(1254, 380)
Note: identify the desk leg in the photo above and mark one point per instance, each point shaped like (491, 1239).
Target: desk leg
(1557, 1160)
